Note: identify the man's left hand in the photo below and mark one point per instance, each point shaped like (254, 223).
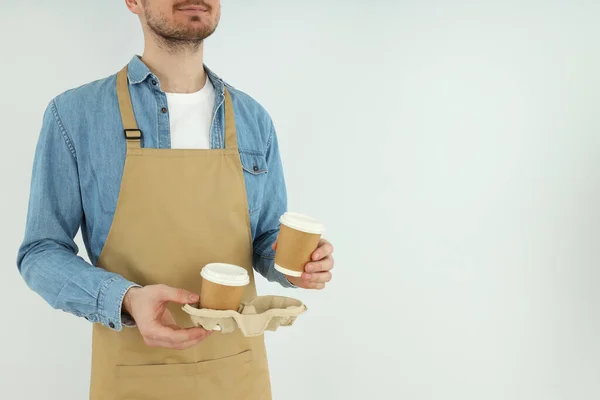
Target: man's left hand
(318, 271)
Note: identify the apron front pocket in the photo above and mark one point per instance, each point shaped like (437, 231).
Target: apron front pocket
(156, 382)
(230, 378)
(189, 381)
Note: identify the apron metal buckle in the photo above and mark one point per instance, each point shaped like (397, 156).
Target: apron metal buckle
(129, 136)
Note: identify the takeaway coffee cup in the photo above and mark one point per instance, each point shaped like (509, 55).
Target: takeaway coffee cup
(299, 237)
(222, 286)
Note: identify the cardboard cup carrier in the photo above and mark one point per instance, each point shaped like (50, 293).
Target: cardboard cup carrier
(221, 309)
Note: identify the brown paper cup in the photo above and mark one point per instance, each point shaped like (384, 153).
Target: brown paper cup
(299, 237)
(222, 286)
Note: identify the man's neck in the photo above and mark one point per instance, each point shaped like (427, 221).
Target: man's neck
(180, 71)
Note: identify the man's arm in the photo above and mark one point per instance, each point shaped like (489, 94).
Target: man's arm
(47, 258)
(274, 205)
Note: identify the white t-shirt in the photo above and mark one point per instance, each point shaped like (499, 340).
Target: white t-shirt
(190, 117)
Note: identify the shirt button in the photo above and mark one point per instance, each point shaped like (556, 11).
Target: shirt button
(154, 82)
(255, 168)
(112, 325)
(163, 110)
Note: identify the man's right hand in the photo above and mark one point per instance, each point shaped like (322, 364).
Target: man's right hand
(148, 307)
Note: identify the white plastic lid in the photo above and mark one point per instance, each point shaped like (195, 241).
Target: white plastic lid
(225, 274)
(302, 223)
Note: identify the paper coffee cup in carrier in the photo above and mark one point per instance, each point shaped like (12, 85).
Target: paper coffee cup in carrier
(223, 286)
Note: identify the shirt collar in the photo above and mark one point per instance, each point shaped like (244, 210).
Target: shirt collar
(217, 82)
(138, 72)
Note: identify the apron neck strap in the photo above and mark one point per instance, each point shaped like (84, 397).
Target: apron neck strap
(132, 133)
(230, 131)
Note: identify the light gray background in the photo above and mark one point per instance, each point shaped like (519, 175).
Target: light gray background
(451, 147)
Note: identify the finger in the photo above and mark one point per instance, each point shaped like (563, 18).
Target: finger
(274, 246)
(191, 343)
(181, 296)
(320, 266)
(324, 250)
(176, 346)
(174, 334)
(319, 277)
(313, 285)
(194, 342)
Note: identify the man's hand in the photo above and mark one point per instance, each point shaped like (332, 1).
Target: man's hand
(317, 272)
(148, 307)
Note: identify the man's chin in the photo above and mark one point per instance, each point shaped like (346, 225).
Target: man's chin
(195, 31)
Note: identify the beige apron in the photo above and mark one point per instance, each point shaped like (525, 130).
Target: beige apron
(178, 210)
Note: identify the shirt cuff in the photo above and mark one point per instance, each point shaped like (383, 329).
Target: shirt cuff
(283, 280)
(291, 285)
(127, 320)
(110, 302)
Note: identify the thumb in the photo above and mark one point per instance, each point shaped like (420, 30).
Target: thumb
(180, 296)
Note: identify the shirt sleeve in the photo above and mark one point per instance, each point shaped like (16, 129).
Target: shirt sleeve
(274, 205)
(47, 258)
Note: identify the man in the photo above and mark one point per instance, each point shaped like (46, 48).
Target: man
(165, 168)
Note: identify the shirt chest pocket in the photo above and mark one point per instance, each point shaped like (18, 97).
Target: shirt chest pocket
(255, 169)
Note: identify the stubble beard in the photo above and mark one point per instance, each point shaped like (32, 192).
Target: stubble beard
(178, 38)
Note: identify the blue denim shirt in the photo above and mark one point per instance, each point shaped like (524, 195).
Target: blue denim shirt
(76, 179)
